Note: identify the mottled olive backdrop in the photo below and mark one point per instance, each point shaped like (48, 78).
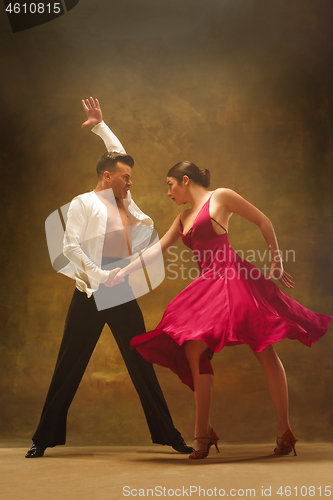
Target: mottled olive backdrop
(242, 87)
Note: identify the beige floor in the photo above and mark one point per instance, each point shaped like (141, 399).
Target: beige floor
(112, 473)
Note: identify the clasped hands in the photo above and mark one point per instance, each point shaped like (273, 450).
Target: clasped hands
(116, 276)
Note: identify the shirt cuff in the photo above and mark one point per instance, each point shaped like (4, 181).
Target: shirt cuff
(96, 128)
(106, 278)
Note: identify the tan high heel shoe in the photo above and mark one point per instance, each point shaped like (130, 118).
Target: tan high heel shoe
(213, 439)
(287, 443)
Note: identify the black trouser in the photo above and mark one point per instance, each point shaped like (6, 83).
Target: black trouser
(83, 326)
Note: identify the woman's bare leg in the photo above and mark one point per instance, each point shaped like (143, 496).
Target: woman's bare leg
(277, 386)
(203, 388)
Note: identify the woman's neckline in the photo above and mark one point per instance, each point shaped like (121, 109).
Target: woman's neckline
(191, 228)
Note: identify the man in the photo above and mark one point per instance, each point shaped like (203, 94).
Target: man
(98, 238)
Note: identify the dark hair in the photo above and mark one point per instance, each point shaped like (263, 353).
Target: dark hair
(192, 171)
(109, 162)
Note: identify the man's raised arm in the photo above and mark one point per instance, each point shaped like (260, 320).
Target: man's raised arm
(94, 117)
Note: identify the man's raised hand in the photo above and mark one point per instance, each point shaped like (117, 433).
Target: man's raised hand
(93, 112)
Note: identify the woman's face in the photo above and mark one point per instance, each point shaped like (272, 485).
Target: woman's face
(176, 191)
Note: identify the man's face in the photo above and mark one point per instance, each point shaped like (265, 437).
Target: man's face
(121, 180)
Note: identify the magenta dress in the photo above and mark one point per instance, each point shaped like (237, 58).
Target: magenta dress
(230, 303)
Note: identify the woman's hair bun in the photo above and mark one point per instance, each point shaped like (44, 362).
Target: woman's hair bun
(204, 177)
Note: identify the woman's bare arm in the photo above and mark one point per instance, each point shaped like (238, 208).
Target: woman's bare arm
(238, 205)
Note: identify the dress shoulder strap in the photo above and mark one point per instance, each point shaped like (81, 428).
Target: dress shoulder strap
(219, 224)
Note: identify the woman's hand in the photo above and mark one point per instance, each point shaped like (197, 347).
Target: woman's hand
(277, 272)
(111, 278)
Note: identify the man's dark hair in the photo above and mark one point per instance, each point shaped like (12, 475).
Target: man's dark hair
(109, 162)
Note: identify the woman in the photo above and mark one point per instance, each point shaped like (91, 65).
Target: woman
(230, 303)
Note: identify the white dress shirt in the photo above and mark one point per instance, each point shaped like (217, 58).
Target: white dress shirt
(86, 226)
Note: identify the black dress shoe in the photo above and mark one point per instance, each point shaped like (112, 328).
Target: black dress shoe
(35, 451)
(179, 445)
